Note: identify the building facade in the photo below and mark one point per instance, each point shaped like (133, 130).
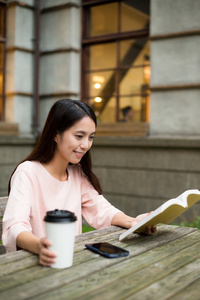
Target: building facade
(111, 54)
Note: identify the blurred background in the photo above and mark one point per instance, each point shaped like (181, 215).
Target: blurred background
(136, 63)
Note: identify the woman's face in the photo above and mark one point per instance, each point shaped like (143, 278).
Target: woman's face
(74, 142)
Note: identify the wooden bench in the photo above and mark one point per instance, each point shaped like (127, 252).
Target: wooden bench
(3, 201)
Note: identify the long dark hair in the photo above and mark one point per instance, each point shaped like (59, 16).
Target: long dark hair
(63, 114)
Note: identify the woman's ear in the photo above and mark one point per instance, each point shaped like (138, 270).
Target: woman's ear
(56, 138)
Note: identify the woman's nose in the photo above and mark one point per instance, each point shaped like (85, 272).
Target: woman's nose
(85, 144)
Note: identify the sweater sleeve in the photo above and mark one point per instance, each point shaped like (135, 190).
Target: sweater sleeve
(18, 210)
(96, 210)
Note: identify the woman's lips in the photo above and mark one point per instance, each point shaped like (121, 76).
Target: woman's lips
(79, 154)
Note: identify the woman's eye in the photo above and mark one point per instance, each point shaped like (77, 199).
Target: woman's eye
(92, 137)
(79, 136)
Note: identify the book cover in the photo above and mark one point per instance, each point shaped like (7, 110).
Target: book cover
(166, 213)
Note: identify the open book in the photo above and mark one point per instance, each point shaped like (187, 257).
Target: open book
(166, 213)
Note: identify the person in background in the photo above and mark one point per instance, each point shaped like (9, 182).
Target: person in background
(58, 175)
(127, 113)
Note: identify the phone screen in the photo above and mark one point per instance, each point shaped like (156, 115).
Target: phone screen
(107, 249)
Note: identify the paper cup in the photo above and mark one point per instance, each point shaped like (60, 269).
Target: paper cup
(60, 231)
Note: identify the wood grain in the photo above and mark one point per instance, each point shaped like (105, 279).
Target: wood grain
(151, 259)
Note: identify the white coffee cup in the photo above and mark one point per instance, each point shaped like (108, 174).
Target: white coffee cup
(60, 231)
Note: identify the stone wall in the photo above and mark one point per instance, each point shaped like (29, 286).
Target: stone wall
(12, 151)
(60, 46)
(138, 175)
(19, 105)
(58, 61)
(175, 60)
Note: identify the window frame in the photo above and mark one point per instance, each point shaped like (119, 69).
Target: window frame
(94, 40)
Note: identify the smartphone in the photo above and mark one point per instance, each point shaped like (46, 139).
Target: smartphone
(107, 250)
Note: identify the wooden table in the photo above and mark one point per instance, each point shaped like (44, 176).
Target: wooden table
(165, 265)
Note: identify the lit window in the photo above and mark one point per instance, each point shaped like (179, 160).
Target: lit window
(116, 65)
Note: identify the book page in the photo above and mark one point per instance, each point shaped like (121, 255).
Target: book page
(166, 213)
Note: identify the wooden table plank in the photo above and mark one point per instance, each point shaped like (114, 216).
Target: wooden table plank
(22, 283)
(108, 234)
(19, 264)
(121, 279)
(10, 257)
(172, 284)
(99, 233)
(191, 292)
(97, 263)
(26, 259)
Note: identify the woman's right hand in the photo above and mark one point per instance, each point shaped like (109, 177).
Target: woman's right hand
(46, 257)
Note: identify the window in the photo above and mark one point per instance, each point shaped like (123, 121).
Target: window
(2, 57)
(115, 58)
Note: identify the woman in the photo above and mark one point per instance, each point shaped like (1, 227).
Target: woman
(57, 174)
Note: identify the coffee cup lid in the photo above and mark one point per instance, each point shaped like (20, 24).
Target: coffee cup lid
(60, 216)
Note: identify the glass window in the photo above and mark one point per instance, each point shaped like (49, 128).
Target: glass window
(101, 56)
(100, 83)
(108, 113)
(134, 15)
(116, 60)
(132, 52)
(131, 81)
(100, 19)
(130, 108)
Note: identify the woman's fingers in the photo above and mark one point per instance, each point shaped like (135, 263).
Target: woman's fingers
(154, 228)
(46, 257)
(150, 230)
(45, 242)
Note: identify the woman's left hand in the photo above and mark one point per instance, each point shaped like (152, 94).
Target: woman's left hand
(121, 219)
(149, 229)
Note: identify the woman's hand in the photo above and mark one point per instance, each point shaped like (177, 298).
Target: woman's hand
(28, 241)
(46, 257)
(149, 229)
(121, 219)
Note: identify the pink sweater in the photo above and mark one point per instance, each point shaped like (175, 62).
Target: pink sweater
(34, 191)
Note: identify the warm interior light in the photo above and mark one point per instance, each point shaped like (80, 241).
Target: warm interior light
(97, 85)
(98, 99)
(97, 78)
(147, 70)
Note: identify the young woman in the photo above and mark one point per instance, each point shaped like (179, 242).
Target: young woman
(58, 174)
